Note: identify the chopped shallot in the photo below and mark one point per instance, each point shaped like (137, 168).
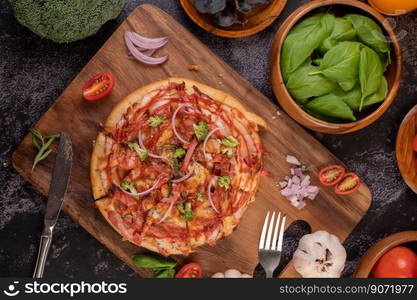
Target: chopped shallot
(293, 160)
(297, 187)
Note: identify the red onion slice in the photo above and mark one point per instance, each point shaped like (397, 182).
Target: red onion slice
(207, 138)
(212, 181)
(174, 116)
(144, 193)
(142, 145)
(146, 43)
(142, 57)
(168, 211)
(185, 177)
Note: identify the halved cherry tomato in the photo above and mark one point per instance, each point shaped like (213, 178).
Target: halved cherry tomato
(349, 183)
(191, 270)
(331, 175)
(99, 86)
(414, 144)
(399, 262)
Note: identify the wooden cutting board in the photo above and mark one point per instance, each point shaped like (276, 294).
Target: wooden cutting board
(81, 119)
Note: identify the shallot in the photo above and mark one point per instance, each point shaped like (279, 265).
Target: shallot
(212, 181)
(298, 186)
(207, 138)
(142, 48)
(174, 116)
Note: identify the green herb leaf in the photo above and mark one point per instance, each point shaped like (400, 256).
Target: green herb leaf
(164, 273)
(224, 181)
(169, 147)
(201, 130)
(303, 39)
(142, 153)
(179, 152)
(330, 106)
(185, 210)
(352, 98)
(230, 141)
(347, 85)
(303, 86)
(228, 152)
(42, 144)
(175, 166)
(379, 95)
(342, 31)
(129, 187)
(200, 196)
(369, 32)
(340, 63)
(155, 121)
(127, 217)
(370, 73)
(153, 262)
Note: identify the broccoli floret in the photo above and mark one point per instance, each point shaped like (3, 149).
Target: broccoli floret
(65, 21)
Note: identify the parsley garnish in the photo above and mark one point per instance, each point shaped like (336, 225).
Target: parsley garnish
(201, 130)
(142, 153)
(224, 181)
(155, 121)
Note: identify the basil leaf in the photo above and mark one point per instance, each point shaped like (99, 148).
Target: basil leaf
(370, 73)
(341, 62)
(152, 262)
(348, 84)
(352, 98)
(331, 106)
(342, 31)
(369, 32)
(303, 39)
(379, 95)
(303, 86)
(164, 273)
(179, 152)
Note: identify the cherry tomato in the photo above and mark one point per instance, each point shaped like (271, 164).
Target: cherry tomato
(399, 262)
(331, 175)
(191, 270)
(414, 144)
(348, 184)
(98, 87)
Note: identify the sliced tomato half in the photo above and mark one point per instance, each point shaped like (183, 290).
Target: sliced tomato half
(331, 175)
(191, 270)
(349, 183)
(98, 87)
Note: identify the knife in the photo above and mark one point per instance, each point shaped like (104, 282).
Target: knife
(57, 190)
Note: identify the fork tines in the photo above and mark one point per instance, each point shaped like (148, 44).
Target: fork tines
(278, 233)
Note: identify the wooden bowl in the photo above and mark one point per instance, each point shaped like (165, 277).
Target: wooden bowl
(406, 157)
(393, 73)
(371, 256)
(257, 20)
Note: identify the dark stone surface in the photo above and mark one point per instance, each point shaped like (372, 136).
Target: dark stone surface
(33, 72)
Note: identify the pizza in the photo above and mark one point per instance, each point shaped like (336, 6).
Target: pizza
(176, 165)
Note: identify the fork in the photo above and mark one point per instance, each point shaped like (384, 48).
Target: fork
(270, 251)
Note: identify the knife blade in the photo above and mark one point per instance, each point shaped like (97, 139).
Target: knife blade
(57, 190)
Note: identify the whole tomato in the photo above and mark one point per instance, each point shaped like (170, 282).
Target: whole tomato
(399, 262)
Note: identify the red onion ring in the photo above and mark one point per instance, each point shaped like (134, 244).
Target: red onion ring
(207, 138)
(185, 177)
(142, 145)
(142, 57)
(146, 43)
(168, 211)
(174, 116)
(141, 194)
(212, 181)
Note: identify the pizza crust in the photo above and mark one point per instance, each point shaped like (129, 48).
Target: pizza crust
(98, 152)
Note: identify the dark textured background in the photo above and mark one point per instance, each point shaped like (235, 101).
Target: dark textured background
(33, 72)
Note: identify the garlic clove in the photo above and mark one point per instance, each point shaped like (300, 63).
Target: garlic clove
(232, 273)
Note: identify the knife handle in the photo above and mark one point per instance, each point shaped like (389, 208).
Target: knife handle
(45, 243)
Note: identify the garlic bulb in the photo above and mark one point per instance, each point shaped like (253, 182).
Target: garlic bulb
(232, 273)
(319, 254)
